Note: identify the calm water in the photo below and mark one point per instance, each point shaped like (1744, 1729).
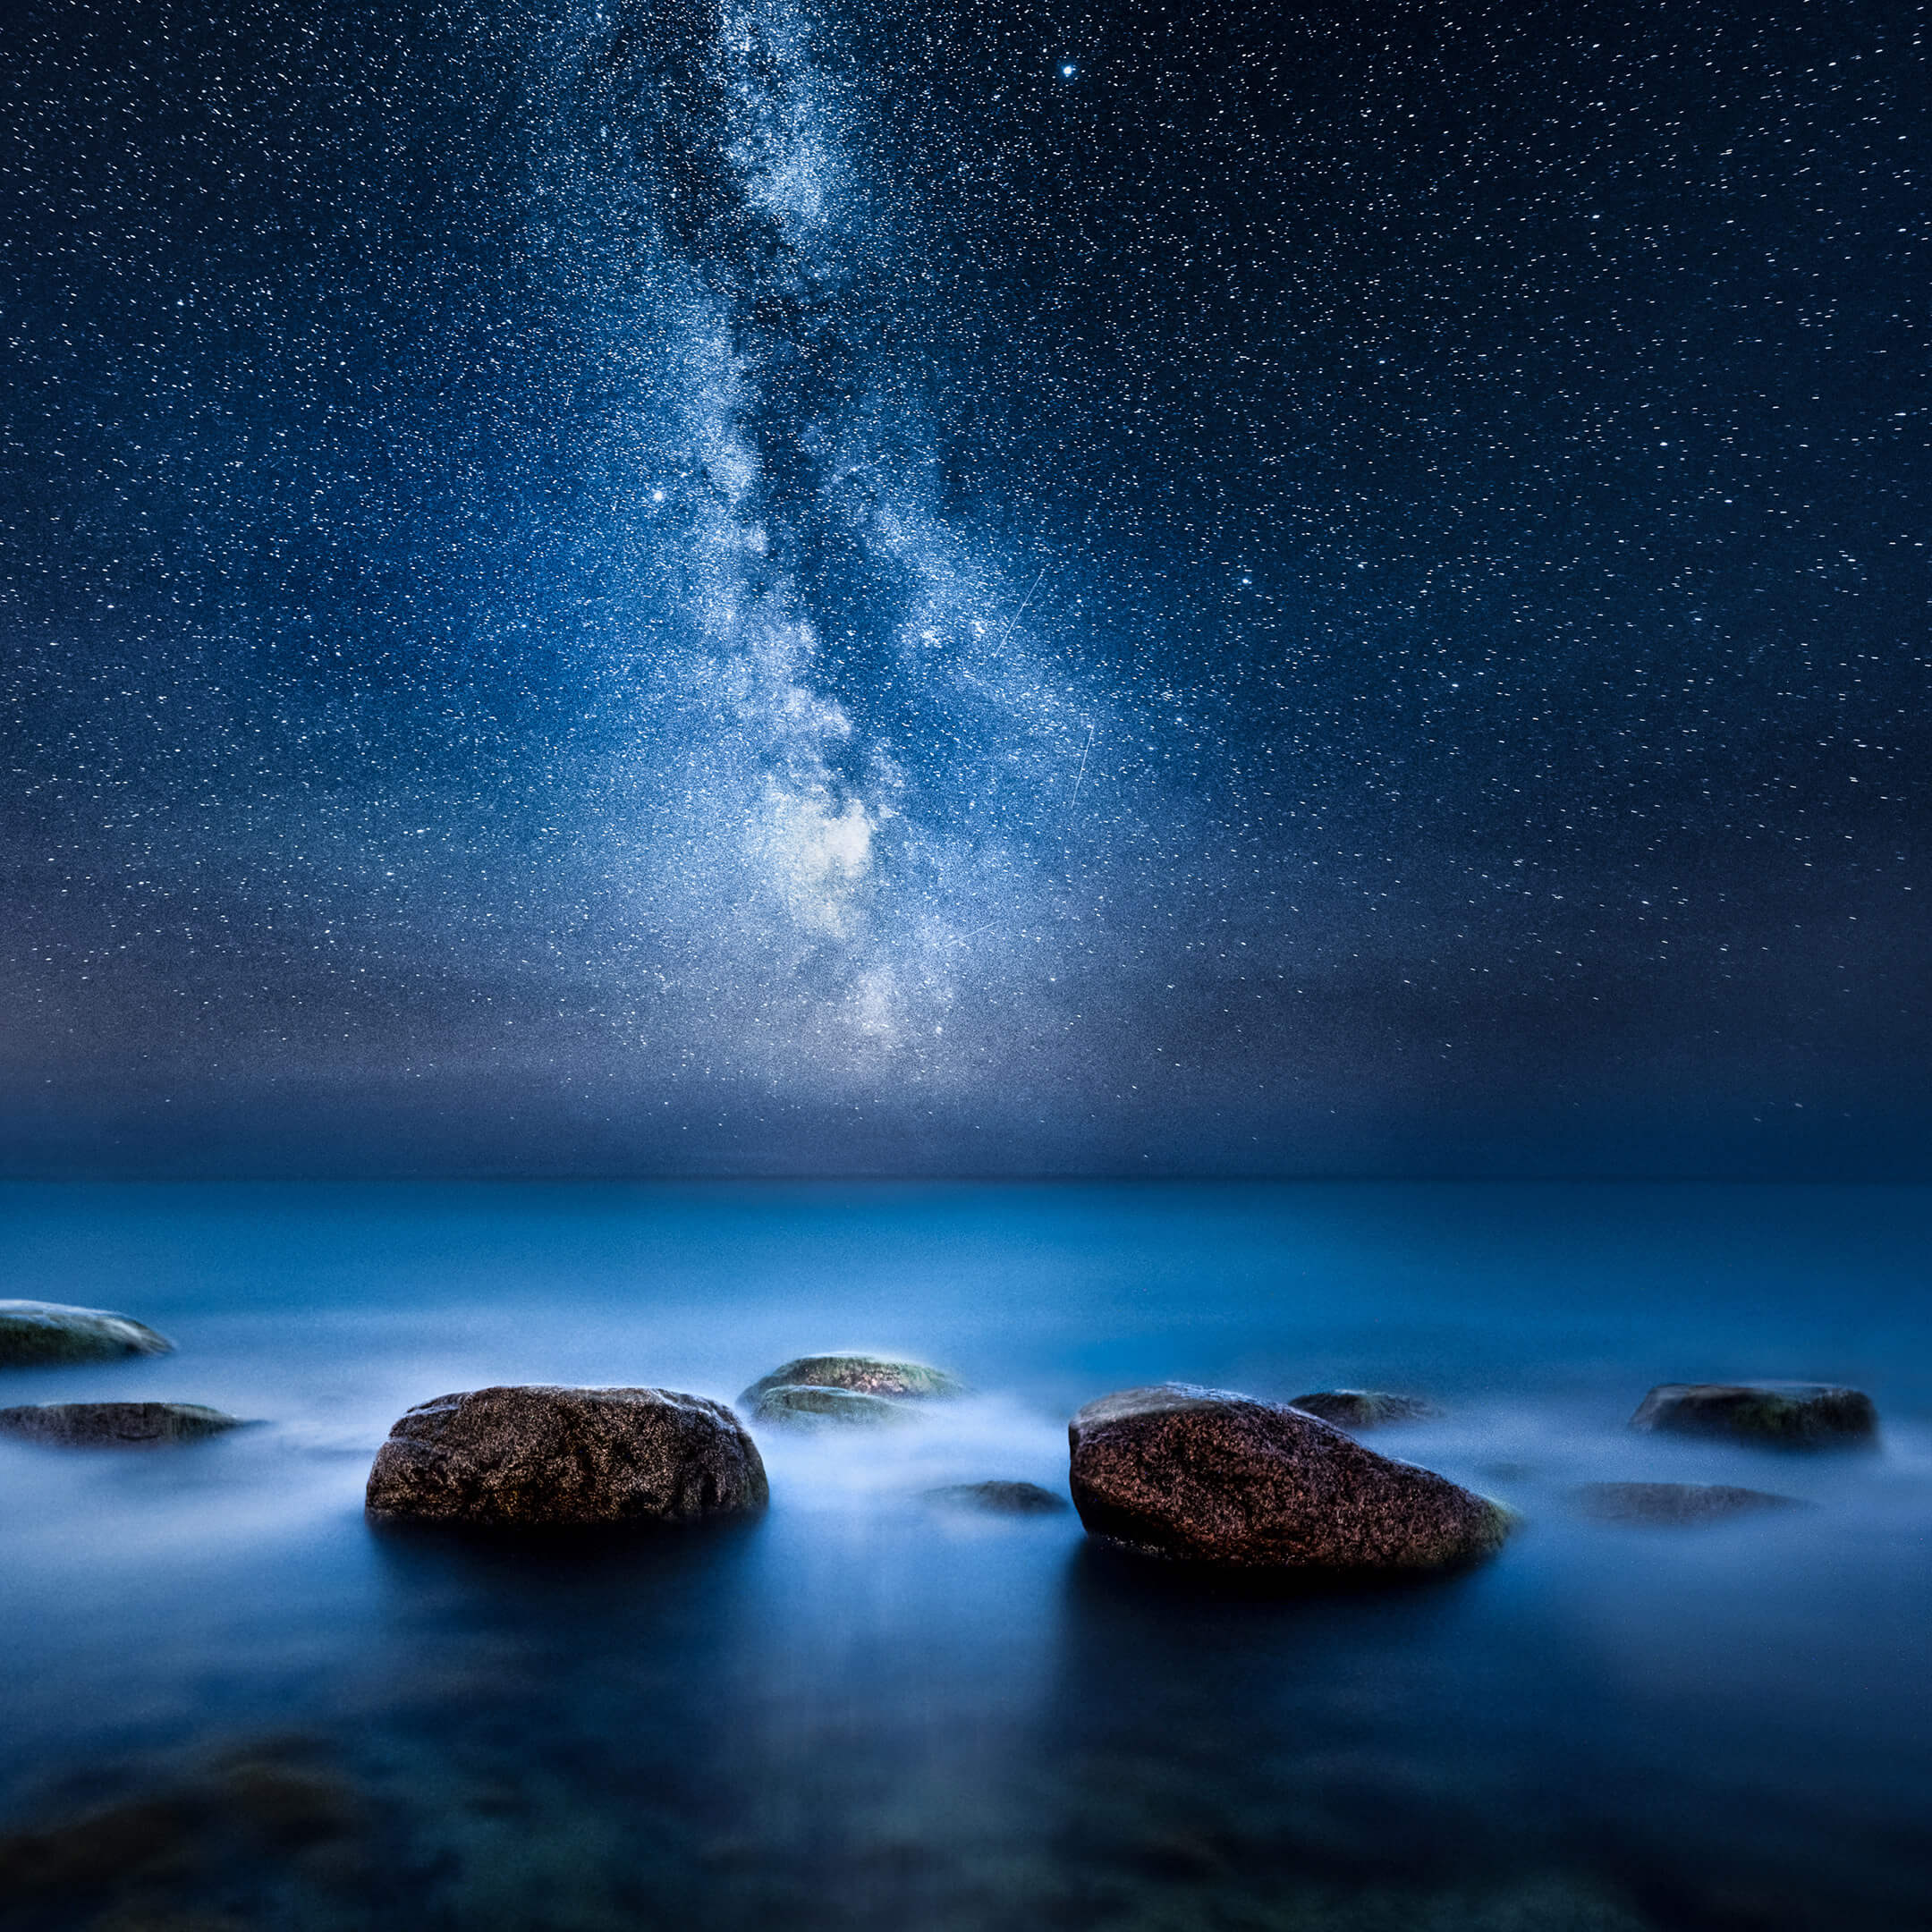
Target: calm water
(228, 1703)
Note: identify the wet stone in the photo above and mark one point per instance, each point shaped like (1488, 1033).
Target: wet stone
(1673, 1502)
(530, 1457)
(1206, 1476)
(114, 1424)
(37, 1334)
(1000, 1498)
(1787, 1415)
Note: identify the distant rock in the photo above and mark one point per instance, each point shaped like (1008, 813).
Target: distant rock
(863, 1375)
(110, 1425)
(1355, 1408)
(1206, 1476)
(806, 1405)
(33, 1334)
(1789, 1415)
(532, 1457)
(1000, 1498)
(1673, 1502)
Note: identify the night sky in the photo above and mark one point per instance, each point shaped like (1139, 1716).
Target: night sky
(803, 586)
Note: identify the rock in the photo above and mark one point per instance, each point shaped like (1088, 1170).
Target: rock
(1000, 1498)
(1790, 1415)
(866, 1375)
(118, 1844)
(37, 1333)
(1209, 1477)
(806, 1405)
(114, 1424)
(1354, 1408)
(536, 1457)
(269, 1820)
(1673, 1502)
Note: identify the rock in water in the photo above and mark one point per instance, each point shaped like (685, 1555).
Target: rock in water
(1000, 1498)
(1209, 1477)
(1790, 1415)
(532, 1457)
(1673, 1502)
(806, 1405)
(33, 1333)
(109, 1425)
(865, 1375)
(1355, 1408)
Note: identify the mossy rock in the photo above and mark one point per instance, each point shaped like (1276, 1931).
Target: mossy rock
(114, 1424)
(807, 1405)
(862, 1375)
(45, 1334)
(1782, 1415)
(1354, 1408)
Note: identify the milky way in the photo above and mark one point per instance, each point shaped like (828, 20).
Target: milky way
(665, 588)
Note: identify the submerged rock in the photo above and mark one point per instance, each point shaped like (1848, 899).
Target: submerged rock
(1790, 1415)
(1673, 1502)
(863, 1375)
(109, 1425)
(806, 1405)
(277, 1819)
(1355, 1408)
(37, 1333)
(1206, 1476)
(1000, 1498)
(537, 1456)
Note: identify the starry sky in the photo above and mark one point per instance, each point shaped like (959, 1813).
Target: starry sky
(825, 586)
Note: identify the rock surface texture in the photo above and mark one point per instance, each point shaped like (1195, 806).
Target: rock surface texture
(1673, 1502)
(111, 1425)
(1209, 1477)
(1000, 1498)
(1355, 1408)
(534, 1457)
(863, 1375)
(33, 1333)
(1789, 1415)
(806, 1405)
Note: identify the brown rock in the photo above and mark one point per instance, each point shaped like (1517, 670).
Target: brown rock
(537, 1456)
(114, 1424)
(1787, 1415)
(1210, 1477)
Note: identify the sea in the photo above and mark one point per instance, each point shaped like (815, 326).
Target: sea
(228, 1701)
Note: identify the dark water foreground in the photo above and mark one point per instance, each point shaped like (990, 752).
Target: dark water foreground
(227, 1703)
